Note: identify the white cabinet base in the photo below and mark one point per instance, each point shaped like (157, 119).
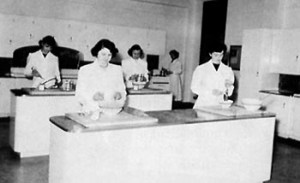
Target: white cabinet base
(233, 151)
(29, 124)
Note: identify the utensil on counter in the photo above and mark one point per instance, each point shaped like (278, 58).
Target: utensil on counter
(41, 86)
(44, 82)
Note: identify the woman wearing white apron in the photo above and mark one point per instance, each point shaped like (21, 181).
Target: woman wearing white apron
(135, 65)
(174, 71)
(42, 65)
(213, 79)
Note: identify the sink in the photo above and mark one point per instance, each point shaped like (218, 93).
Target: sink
(47, 91)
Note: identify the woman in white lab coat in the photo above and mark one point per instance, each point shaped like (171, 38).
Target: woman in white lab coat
(212, 81)
(174, 71)
(135, 65)
(42, 65)
(101, 80)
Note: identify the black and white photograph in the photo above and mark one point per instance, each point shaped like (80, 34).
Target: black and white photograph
(149, 91)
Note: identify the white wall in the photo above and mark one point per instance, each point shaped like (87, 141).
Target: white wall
(245, 14)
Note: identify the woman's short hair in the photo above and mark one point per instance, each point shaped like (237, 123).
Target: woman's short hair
(217, 47)
(136, 47)
(175, 53)
(104, 43)
(49, 40)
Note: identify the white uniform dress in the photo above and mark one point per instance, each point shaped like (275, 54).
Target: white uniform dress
(92, 78)
(206, 78)
(175, 80)
(131, 66)
(46, 66)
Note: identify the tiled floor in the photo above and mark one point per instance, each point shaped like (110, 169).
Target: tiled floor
(286, 162)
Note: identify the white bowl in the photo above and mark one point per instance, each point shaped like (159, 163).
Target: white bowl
(138, 85)
(111, 111)
(226, 104)
(110, 106)
(251, 104)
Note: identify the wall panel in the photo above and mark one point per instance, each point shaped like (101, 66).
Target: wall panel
(18, 31)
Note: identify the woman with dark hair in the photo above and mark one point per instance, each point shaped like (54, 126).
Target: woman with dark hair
(101, 80)
(135, 65)
(213, 81)
(174, 71)
(42, 65)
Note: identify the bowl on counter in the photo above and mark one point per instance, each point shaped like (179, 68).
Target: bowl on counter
(226, 104)
(111, 111)
(109, 106)
(137, 85)
(251, 104)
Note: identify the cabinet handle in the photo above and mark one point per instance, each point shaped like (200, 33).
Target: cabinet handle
(283, 105)
(257, 73)
(297, 58)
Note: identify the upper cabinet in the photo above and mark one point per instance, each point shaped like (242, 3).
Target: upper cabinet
(286, 51)
(256, 59)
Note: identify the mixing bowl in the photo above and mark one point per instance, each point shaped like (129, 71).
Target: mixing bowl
(251, 104)
(226, 104)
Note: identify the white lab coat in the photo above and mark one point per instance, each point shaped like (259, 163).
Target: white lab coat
(46, 66)
(175, 80)
(131, 66)
(206, 79)
(92, 78)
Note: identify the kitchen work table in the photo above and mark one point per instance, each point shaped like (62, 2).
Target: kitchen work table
(180, 146)
(31, 110)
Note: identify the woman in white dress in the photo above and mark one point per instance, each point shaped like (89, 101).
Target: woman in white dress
(174, 71)
(135, 65)
(213, 79)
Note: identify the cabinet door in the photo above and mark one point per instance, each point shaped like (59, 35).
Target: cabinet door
(286, 51)
(281, 106)
(6, 84)
(295, 129)
(255, 58)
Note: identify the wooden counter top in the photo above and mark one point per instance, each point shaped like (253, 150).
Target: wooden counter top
(165, 118)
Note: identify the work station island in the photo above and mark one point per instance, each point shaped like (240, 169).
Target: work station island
(32, 108)
(209, 145)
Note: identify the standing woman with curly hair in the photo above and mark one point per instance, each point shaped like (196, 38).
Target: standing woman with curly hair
(135, 65)
(174, 71)
(42, 66)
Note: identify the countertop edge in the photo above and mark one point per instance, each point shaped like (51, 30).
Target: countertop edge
(71, 126)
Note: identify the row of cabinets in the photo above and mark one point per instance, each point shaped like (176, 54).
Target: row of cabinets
(265, 54)
(287, 113)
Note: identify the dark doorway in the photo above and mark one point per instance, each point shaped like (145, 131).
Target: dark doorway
(213, 26)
